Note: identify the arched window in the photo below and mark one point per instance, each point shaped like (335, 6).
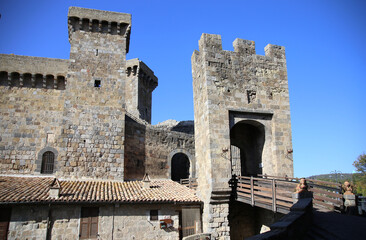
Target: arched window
(48, 159)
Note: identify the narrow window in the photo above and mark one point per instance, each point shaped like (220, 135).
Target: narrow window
(39, 81)
(61, 83)
(97, 83)
(15, 79)
(89, 223)
(27, 80)
(4, 79)
(48, 159)
(49, 82)
(154, 215)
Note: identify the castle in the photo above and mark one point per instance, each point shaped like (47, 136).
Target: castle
(76, 137)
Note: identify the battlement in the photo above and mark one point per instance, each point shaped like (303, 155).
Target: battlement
(135, 67)
(213, 43)
(140, 83)
(33, 72)
(36, 65)
(98, 21)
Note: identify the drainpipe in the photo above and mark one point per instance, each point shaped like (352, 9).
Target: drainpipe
(114, 207)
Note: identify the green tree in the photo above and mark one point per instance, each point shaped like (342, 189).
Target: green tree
(360, 177)
(360, 164)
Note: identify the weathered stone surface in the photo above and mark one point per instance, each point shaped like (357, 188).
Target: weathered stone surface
(230, 88)
(151, 149)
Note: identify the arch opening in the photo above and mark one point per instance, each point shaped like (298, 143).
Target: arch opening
(180, 166)
(247, 142)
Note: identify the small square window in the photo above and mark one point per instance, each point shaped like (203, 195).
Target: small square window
(154, 215)
(97, 83)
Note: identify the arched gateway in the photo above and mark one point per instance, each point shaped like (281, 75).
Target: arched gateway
(247, 141)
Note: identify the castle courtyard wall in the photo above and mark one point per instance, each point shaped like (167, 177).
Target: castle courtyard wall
(150, 149)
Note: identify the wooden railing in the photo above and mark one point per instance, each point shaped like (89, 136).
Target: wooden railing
(272, 194)
(275, 193)
(189, 182)
(325, 194)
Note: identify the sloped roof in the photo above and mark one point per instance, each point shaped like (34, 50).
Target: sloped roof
(36, 190)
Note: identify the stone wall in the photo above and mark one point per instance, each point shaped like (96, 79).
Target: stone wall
(28, 223)
(161, 145)
(149, 149)
(246, 221)
(238, 87)
(135, 150)
(114, 222)
(30, 120)
(133, 222)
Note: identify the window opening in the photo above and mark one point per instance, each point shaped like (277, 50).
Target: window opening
(154, 215)
(27, 80)
(48, 159)
(61, 83)
(3, 79)
(97, 83)
(89, 222)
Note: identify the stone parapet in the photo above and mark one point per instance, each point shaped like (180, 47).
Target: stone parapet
(33, 65)
(102, 22)
(99, 15)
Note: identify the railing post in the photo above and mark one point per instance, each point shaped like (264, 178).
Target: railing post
(252, 190)
(274, 208)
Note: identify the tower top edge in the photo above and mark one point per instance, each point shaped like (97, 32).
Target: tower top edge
(99, 15)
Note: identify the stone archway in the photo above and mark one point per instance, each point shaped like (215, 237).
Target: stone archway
(247, 141)
(180, 166)
(191, 160)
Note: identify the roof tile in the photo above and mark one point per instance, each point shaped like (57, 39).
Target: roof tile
(35, 190)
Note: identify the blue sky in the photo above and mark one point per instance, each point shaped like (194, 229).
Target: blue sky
(325, 50)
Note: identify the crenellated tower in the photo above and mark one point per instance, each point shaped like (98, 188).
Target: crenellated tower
(140, 84)
(93, 138)
(242, 120)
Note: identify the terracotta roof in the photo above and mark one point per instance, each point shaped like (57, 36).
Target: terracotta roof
(36, 190)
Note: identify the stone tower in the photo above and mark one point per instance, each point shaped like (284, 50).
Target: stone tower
(140, 84)
(242, 121)
(94, 111)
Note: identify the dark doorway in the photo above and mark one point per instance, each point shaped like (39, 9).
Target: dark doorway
(180, 166)
(4, 222)
(247, 141)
